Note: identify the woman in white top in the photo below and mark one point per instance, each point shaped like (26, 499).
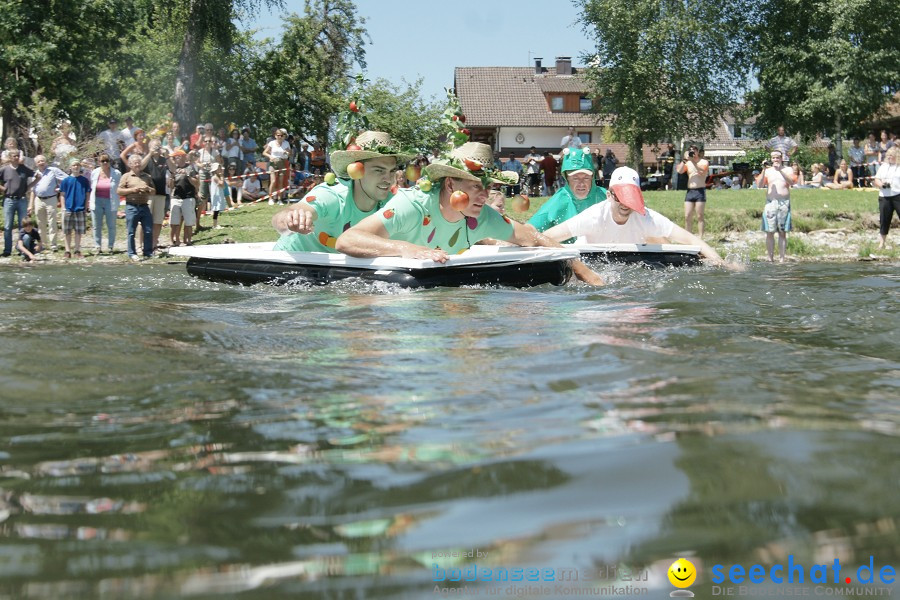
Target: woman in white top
(278, 152)
(887, 180)
(105, 201)
(232, 151)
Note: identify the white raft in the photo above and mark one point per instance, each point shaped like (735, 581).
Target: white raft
(653, 255)
(481, 265)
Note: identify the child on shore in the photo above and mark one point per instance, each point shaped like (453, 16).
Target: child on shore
(29, 242)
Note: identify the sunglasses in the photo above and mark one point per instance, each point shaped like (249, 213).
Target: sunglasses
(103, 160)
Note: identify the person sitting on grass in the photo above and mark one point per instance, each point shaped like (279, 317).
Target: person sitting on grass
(843, 178)
(448, 218)
(29, 242)
(579, 193)
(252, 188)
(314, 223)
(623, 218)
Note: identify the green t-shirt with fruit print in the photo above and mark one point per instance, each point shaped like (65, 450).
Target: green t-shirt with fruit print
(415, 216)
(336, 212)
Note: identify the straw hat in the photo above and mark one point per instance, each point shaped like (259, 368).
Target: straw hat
(373, 144)
(473, 161)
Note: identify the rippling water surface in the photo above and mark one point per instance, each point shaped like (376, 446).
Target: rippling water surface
(164, 436)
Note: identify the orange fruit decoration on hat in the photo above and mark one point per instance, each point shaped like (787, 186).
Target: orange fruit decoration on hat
(356, 170)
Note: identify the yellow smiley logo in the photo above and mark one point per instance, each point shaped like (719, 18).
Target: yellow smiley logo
(682, 573)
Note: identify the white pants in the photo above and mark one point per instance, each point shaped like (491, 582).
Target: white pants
(46, 209)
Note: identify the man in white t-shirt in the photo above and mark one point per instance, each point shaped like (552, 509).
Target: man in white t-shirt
(571, 140)
(624, 219)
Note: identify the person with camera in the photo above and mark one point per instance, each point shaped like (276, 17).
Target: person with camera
(778, 179)
(887, 181)
(697, 169)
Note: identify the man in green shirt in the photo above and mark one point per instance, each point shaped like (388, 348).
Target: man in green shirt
(579, 193)
(446, 218)
(314, 223)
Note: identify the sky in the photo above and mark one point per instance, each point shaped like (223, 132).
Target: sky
(412, 39)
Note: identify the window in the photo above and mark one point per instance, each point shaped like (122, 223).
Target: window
(556, 103)
(739, 131)
(585, 137)
(585, 104)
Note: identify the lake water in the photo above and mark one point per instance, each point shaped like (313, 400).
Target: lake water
(168, 437)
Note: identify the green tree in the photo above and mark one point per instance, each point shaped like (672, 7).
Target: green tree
(60, 48)
(825, 64)
(664, 69)
(198, 23)
(306, 76)
(400, 110)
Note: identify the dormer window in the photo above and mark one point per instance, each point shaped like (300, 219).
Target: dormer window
(585, 104)
(556, 103)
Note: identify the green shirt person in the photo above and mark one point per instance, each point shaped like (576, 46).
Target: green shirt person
(314, 223)
(579, 193)
(447, 219)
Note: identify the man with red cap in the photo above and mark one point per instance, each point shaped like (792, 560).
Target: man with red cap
(624, 219)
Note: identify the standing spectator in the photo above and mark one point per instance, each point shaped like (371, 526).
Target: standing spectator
(697, 170)
(303, 157)
(196, 139)
(610, 164)
(248, 148)
(784, 144)
(667, 158)
(533, 169)
(137, 187)
(45, 202)
(104, 202)
(178, 136)
(278, 151)
(232, 152)
(139, 146)
(156, 166)
(887, 180)
(183, 194)
(29, 242)
(843, 178)
(217, 192)
(571, 140)
(63, 145)
(111, 138)
(252, 188)
(551, 171)
(857, 159)
(884, 145)
(516, 167)
(317, 159)
(207, 158)
(870, 150)
(14, 184)
(777, 180)
(221, 141)
(75, 190)
(129, 130)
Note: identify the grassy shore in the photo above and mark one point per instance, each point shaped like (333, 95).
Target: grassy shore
(828, 224)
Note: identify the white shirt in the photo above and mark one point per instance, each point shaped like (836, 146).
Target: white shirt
(571, 141)
(110, 140)
(277, 150)
(50, 179)
(597, 226)
(252, 186)
(889, 173)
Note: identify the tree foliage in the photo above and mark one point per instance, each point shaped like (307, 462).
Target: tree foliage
(399, 109)
(309, 72)
(825, 64)
(664, 69)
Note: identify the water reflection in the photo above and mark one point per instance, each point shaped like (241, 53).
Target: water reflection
(202, 439)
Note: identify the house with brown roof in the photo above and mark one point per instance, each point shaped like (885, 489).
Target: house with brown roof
(514, 108)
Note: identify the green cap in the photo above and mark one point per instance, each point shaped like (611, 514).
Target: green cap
(577, 159)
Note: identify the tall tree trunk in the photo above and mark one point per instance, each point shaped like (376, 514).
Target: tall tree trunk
(838, 135)
(185, 109)
(636, 154)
